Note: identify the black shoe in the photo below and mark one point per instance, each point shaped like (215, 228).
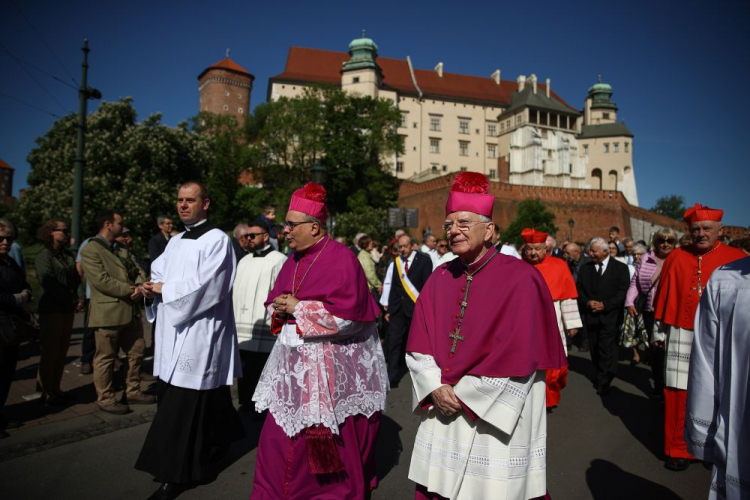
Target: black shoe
(167, 491)
(677, 464)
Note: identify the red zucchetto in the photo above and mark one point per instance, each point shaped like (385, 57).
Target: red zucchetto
(310, 199)
(531, 235)
(700, 212)
(470, 194)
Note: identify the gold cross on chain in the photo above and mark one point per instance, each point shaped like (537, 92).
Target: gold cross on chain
(456, 338)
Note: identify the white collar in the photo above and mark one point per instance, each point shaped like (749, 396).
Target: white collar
(190, 227)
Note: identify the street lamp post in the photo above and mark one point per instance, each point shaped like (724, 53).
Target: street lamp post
(571, 223)
(318, 173)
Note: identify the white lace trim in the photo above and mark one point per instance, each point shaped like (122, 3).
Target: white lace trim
(324, 380)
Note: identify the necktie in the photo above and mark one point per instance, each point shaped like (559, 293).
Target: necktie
(600, 270)
(406, 266)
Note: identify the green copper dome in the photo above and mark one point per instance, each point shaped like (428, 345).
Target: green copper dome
(601, 94)
(362, 54)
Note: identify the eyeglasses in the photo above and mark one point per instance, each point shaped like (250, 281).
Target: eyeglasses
(291, 225)
(462, 225)
(62, 230)
(251, 236)
(442, 246)
(669, 241)
(9, 239)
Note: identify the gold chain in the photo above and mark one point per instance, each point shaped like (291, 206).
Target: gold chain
(295, 288)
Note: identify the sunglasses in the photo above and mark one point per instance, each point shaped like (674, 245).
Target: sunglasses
(442, 246)
(62, 229)
(9, 239)
(251, 236)
(668, 240)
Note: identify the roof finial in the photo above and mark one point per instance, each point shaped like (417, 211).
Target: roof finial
(230, 51)
(600, 79)
(363, 34)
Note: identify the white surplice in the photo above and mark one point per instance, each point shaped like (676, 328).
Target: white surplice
(255, 279)
(501, 455)
(195, 332)
(717, 421)
(568, 318)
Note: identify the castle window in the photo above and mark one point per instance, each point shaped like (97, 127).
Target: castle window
(606, 117)
(491, 129)
(435, 168)
(502, 126)
(518, 119)
(226, 108)
(415, 125)
(491, 151)
(239, 96)
(399, 166)
(606, 148)
(627, 149)
(493, 173)
(434, 145)
(585, 149)
(435, 123)
(355, 79)
(463, 148)
(445, 168)
(463, 169)
(226, 94)
(463, 126)
(403, 120)
(240, 110)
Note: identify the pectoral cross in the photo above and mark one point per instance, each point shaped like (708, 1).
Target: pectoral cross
(700, 287)
(456, 336)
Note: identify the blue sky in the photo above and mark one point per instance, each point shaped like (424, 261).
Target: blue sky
(680, 70)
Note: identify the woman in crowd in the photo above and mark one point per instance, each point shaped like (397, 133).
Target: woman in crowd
(614, 253)
(633, 336)
(645, 281)
(15, 294)
(57, 275)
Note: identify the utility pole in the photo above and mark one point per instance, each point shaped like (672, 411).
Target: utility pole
(84, 94)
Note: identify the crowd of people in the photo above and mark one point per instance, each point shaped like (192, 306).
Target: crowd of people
(316, 330)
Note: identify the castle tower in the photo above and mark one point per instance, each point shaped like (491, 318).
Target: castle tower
(361, 74)
(599, 108)
(225, 89)
(6, 184)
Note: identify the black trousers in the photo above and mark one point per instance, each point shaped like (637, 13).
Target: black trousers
(604, 352)
(656, 354)
(8, 359)
(395, 346)
(252, 368)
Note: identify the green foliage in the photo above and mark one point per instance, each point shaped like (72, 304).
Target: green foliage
(349, 135)
(672, 206)
(533, 214)
(132, 167)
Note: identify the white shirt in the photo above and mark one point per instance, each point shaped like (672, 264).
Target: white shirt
(388, 281)
(603, 264)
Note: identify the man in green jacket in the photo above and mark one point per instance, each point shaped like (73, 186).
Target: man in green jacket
(115, 280)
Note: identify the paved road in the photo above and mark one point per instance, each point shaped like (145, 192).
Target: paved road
(597, 449)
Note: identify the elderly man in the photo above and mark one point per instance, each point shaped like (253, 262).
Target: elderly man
(718, 410)
(197, 356)
(239, 243)
(430, 248)
(681, 283)
(158, 242)
(256, 276)
(563, 290)
(326, 374)
(404, 280)
(477, 354)
(602, 285)
(575, 258)
(551, 246)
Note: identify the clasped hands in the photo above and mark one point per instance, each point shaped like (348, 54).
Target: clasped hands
(595, 306)
(445, 400)
(285, 304)
(151, 289)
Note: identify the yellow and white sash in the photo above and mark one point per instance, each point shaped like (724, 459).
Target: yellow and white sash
(411, 290)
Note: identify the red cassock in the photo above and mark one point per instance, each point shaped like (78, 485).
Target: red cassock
(676, 303)
(561, 286)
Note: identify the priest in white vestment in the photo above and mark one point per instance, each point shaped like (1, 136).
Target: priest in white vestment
(197, 356)
(477, 353)
(717, 422)
(256, 275)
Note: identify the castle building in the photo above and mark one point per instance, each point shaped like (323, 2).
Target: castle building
(520, 132)
(6, 184)
(225, 89)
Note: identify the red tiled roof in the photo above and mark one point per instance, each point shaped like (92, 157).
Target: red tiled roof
(230, 65)
(5, 165)
(324, 66)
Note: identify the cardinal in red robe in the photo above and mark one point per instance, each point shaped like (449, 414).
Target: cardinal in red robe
(556, 274)
(681, 283)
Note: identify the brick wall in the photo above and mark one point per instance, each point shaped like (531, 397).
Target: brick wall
(214, 95)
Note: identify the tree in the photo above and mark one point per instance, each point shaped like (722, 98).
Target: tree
(533, 214)
(132, 167)
(672, 206)
(350, 135)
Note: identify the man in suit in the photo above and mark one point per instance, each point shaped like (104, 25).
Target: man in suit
(406, 275)
(158, 242)
(602, 285)
(576, 259)
(115, 280)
